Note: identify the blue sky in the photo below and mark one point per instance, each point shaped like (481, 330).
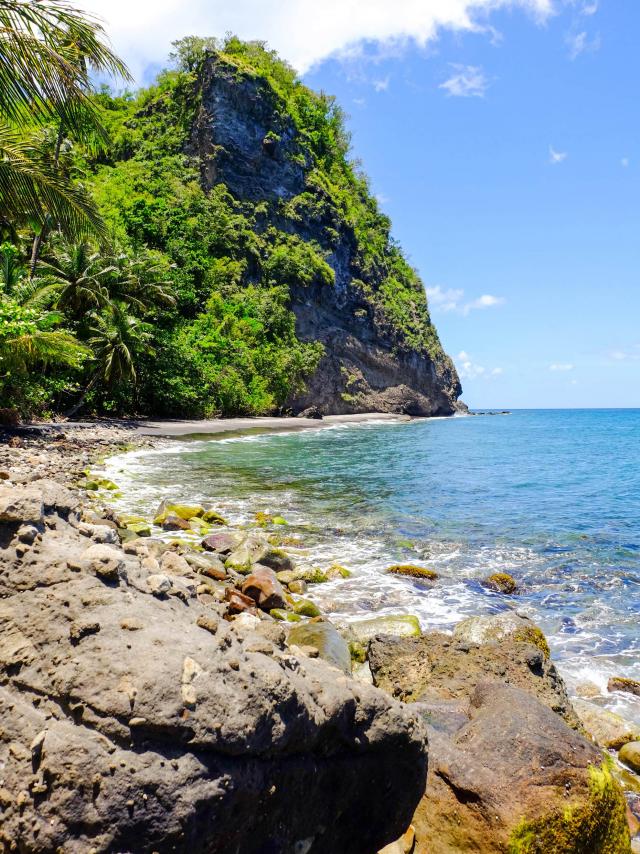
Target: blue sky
(503, 139)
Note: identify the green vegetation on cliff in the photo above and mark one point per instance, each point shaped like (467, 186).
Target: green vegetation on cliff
(215, 331)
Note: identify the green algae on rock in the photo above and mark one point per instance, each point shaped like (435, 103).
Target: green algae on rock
(326, 639)
(598, 826)
(400, 625)
(497, 627)
(305, 608)
(501, 582)
(412, 571)
(629, 754)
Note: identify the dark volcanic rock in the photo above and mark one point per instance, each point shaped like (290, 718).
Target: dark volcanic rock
(512, 777)
(437, 667)
(506, 772)
(135, 723)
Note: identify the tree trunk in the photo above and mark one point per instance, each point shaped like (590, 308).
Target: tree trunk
(42, 235)
(77, 406)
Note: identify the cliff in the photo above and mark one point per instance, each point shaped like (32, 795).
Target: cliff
(377, 355)
(289, 236)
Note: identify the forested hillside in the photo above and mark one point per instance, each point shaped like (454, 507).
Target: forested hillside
(230, 257)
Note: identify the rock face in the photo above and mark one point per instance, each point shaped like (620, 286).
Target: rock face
(508, 770)
(515, 778)
(437, 667)
(141, 722)
(243, 137)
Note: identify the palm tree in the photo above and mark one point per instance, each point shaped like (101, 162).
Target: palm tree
(141, 281)
(76, 277)
(47, 51)
(31, 191)
(28, 336)
(118, 338)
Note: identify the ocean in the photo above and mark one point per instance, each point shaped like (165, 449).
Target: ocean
(550, 496)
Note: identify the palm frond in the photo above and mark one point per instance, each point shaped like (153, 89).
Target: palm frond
(30, 191)
(47, 49)
(57, 347)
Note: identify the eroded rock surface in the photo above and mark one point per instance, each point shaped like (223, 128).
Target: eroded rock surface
(136, 718)
(508, 769)
(438, 667)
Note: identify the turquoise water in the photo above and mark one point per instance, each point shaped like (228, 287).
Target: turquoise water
(552, 497)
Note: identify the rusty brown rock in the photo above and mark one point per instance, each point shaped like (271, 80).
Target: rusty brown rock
(264, 588)
(238, 602)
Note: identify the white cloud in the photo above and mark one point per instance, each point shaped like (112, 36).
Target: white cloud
(448, 300)
(579, 42)
(453, 299)
(304, 32)
(556, 157)
(485, 301)
(468, 81)
(381, 85)
(469, 370)
(590, 8)
(561, 366)
(629, 354)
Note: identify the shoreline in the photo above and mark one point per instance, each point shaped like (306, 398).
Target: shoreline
(73, 449)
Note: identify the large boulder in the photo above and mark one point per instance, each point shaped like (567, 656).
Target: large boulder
(133, 722)
(509, 770)
(513, 778)
(438, 667)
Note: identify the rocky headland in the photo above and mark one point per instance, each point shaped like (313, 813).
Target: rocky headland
(163, 695)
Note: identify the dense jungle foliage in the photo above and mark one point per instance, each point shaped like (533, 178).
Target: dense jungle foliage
(154, 295)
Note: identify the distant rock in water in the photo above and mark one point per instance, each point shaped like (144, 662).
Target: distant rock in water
(366, 306)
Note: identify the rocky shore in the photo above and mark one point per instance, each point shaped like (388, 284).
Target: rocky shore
(159, 695)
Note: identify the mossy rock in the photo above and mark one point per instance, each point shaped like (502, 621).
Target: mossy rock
(598, 826)
(183, 511)
(211, 517)
(412, 571)
(277, 559)
(401, 625)
(338, 571)
(624, 685)
(629, 755)
(126, 535)
(126, 519)
(297, 586)
(358, 651)
(281, 614)
(501, 582)
(497, 627)
(534, 635)
(93, 483)
(199, 526)
(142, 529)
(265, 519)
(313, 576)
(305, 608)
(240, 560)
(326, 639)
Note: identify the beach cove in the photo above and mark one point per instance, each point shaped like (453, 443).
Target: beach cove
(290, 490)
